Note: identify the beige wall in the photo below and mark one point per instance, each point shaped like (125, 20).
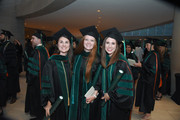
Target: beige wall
(175, 50)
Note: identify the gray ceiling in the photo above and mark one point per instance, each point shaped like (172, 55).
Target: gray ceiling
(126, 15)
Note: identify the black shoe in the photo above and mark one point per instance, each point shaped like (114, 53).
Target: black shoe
(13, 100)
(158, 97)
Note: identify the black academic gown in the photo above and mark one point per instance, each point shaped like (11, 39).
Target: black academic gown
(3, 80)
(122, 96)
(148, 82)
(9, 53)
(165, 73)
(19, 52)
(35, 67)
(56, 81)
(79, 110)
(135, 70)
(27, 53)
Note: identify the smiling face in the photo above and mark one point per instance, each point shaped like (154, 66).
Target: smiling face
(110, 46)
(63, 45)
(149, 46)
(128, 48)
(89, 42)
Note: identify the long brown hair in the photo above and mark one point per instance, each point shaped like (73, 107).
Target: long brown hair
(162, 50)
(114, 57)
(91, 57)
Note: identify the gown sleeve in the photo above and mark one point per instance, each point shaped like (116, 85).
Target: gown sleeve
(123, 94)
(10, 56)
(47, 91)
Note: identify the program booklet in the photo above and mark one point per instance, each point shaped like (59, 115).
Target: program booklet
(90, 92)
(131, 62)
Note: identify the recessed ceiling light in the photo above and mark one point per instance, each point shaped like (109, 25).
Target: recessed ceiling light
(98, 10)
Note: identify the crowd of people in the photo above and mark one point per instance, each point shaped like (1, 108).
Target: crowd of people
(99, 65)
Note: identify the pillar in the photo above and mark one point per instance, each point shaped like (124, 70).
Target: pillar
(175, 49)
(9, 21)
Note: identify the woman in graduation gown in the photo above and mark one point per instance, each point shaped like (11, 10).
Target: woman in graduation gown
(165, 69)
(85, 66)
(119, 100)
(149, 80)
(56, 77)
(130, 55)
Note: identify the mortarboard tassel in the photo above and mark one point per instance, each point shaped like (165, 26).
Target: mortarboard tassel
(98, 44)
(124, 43)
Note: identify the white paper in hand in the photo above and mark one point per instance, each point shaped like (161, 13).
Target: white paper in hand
(90, 92)
(131, 62)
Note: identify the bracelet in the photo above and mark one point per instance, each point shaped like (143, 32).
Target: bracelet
(95, 96)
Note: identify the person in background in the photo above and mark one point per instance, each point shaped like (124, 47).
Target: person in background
(149, 80)
(3, 81)
(139, 51)
(85, 65)
(56, 77)
(36, 63)
(19, 51)
(53, 48)
(130, 55)
(119, 100)
(8, 51)
(165, 69)
(75, 44)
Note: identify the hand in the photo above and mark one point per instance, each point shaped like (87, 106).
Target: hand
(106, 97)
(138, 64)
(47, 108)
(91, 98)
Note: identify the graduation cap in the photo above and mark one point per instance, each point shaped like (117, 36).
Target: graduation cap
(152, 41)
(39, 34)
(49, 38)
(128, 42)
(90, 30)
(113, 33)
(6, 33)
(64, 32)
(161, 43)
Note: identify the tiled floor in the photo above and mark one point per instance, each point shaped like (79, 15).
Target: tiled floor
(165, 109)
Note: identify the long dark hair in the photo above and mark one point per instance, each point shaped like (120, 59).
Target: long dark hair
(114, 57)
(91, 57)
